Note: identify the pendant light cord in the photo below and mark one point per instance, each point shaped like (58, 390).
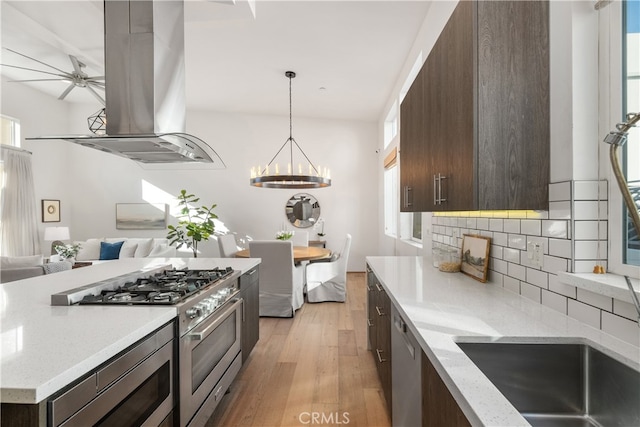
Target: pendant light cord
(290, 121)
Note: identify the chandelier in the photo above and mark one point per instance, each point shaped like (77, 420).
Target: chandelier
(307, 176)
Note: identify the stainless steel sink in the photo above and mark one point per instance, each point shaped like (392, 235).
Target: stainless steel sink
(561, 384)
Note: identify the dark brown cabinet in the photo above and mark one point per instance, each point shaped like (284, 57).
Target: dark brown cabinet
(379, 331)
(439, 408)
(250, 293)
(474, 126)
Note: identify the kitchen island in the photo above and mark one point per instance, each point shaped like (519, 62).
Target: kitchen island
(45, 347)
(441, 309)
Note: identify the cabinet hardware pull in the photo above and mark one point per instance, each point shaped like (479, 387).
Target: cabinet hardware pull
(380, 359)
(407, 189)
(369, 323)
(380, 312)
(378, 287)
(437, 189)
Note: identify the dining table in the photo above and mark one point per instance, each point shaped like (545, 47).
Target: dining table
(300, 253)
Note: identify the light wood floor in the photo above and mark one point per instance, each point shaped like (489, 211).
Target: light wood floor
(313, 369)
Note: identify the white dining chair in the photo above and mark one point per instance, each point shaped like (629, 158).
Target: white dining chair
(227, 245)
(327, 281)
(281, 282)
(300, 238)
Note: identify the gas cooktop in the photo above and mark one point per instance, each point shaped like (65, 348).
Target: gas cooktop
(165, 288)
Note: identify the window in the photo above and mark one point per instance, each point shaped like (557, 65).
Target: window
(9, 131)
(391, 125)
(631, 104)
(391, 201)
(416, 229)
(619, 25)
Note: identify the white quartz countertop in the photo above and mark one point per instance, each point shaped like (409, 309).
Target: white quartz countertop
(44, 348)
(444, 308)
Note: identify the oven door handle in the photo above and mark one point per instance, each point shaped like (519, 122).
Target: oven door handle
(199, 336)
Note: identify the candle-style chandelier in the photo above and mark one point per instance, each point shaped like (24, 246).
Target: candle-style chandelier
(307, 176)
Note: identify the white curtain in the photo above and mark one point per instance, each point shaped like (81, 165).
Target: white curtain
(19, 214)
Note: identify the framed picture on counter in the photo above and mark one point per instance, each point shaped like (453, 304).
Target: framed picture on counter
(475, 256)
(50, 210)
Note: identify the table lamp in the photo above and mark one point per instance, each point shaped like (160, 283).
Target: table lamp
(56, 235)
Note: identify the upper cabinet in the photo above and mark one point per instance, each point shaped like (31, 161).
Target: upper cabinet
(474, 126)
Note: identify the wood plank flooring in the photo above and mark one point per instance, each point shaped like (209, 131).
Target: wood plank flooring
(313, 369)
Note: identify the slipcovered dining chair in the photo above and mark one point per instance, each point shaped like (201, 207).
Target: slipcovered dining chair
(281, 282)
(300, 238)
(327, 281)
(227, 245)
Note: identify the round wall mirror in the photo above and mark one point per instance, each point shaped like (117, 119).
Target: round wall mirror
(302, 210)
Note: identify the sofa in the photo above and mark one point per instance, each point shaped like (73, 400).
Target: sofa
(24, 267)
(124, 247)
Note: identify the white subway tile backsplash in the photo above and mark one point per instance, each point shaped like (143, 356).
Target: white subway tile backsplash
(496, 224)
(625, 309)
(557, 229)
(589, 210)
(560, 210)
(560, 248)
(589, 190)
(517, 271)
(590, 249)
(496, 252)
(561, 288)
(587, 266)
(588, 230)
(596, 300)
(511, 255)
(560, 191)
(531, 227)
(511, 226)
(538, 278)
(499, 265)
(500, 239)
(552, 264)
(482, 223)
(517, 241)
(511, 284)
(584, 313)
(620, 327)
(555, 301)
(572, 239)
(531, 292)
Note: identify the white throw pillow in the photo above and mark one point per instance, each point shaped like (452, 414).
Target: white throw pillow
(89, 250)
(21, 261)
(163, 251)
(128, 249)
(144, 247)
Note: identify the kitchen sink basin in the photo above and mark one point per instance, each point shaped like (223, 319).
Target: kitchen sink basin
(561, 384)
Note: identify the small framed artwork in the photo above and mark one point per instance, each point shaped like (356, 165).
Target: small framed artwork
(141, 216)
(50, 210)
(475, 256)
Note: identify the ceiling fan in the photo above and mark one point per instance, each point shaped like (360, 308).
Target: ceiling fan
(77, 77)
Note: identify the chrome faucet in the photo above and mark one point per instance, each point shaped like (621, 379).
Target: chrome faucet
(634, 297)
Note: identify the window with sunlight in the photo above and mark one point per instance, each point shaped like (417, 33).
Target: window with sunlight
(391, 207)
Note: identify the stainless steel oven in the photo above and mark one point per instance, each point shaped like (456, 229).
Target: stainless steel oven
(133, 389)
(209, 358)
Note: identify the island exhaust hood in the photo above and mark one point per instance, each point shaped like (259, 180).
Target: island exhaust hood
(145, 86)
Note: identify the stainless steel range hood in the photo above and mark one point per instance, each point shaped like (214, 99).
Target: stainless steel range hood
(145, 86)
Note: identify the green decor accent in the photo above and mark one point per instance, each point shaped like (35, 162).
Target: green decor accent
(195, 223)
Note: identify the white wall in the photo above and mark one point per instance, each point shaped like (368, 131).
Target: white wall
(89, 183)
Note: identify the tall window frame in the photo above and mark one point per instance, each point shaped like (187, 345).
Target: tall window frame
(615, 102)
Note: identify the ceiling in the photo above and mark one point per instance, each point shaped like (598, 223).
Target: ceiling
(347, 54)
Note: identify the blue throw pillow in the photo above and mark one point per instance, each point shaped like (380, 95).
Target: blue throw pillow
(110, 250)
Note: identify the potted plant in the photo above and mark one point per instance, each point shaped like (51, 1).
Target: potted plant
(68, 252)
(284, 235)
(195, 224)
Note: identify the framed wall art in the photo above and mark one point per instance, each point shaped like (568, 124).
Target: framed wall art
(141, 216)
(475, 256)
(50, 210)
